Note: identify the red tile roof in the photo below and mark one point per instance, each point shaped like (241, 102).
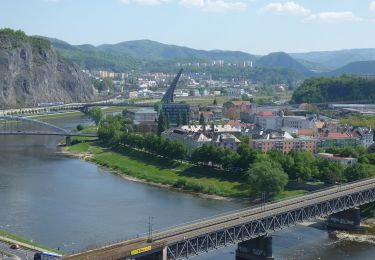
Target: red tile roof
(265, 113)
(333, 135)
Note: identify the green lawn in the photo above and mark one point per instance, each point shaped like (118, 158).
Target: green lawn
(289, 194)
(177, 174)
(58, 115)
(20, 239)
(181, 175)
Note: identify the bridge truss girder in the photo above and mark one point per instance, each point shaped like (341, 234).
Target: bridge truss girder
(15, 124)
(194, 246)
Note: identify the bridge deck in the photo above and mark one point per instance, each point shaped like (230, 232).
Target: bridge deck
(228, 221)
(47, 133)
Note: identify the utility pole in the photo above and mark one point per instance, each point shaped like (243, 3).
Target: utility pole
(150, 226)
(264, 200)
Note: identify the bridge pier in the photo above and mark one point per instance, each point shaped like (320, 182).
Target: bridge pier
(259, 248)
(349, 219)
(68, 140)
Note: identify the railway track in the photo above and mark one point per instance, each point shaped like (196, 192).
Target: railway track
(163, 238)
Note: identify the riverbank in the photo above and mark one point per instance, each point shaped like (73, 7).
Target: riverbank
(144, 167)
(56, 115)
(10, 238)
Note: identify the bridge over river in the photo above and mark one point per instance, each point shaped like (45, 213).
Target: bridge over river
(15, 125)
(250, 228)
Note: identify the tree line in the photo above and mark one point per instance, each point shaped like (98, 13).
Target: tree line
(274, 166)
(331, 89)
(264, 172)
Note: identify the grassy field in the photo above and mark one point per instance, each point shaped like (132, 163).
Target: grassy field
(176, 174)
(118, 109)
(58, 115)
(362, 120)
(20, 239)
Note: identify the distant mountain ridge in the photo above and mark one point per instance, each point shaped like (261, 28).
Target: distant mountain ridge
(336, 59)
(151, 56)
(357, 68)
(152, 50)
(282, 60)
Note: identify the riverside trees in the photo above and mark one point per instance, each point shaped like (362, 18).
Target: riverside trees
(96, 114)
(268, 177)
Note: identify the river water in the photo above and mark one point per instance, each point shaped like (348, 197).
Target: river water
(70, 204)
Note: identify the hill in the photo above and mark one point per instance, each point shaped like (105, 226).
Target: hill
(282, 60)
(32, 72)
(356, 68)
(335, 89)
(151, 50)
(89, 57)
(151, 56)
(336, 59)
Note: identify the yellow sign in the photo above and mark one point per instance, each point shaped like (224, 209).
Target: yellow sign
(140, 250)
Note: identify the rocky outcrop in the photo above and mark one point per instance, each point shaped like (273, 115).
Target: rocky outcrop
(32, 72)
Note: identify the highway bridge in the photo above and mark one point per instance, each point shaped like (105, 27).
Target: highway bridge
(242, 226)
(15, 125)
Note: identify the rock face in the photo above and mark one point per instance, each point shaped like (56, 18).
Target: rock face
(31, 72)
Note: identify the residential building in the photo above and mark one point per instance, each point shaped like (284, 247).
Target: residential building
(192, 140)
(233, 109)
(340, 140)
(365, 134)
(227, 141)
(196, 136)
(286, 145)
(143, 115)
(347, 161)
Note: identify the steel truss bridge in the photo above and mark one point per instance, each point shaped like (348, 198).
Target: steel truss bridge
(14, 125)
(209, 234)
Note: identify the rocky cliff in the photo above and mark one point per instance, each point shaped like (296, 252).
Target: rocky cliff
(32, 72)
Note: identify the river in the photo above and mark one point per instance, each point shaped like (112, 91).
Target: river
(71, 204)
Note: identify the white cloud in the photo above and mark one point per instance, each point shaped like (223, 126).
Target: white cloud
(372, 6)
(214, 5)
(330, 17)
(144, 2)
(289, 7)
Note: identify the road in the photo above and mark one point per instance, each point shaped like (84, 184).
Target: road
(22, 253)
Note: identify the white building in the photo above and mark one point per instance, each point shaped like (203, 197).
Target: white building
(143, 115)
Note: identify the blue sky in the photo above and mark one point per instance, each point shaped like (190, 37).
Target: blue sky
(254, 26)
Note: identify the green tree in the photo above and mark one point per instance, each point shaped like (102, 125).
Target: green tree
(215, 102)
(185, 118)
(208, 154)
(247, 155)
(162, 122)
(229, 159)
(358, 171)
(80, 127)
(267, 177)
(110, 130)
(179, 119)
(330, 172)
(202, 121)
(304, 166)
(96, 115)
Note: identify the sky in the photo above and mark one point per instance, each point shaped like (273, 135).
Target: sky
(253, 26)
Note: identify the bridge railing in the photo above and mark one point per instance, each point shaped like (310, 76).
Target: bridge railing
(259, 206)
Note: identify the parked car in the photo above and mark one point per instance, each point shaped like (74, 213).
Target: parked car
(15, 246)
